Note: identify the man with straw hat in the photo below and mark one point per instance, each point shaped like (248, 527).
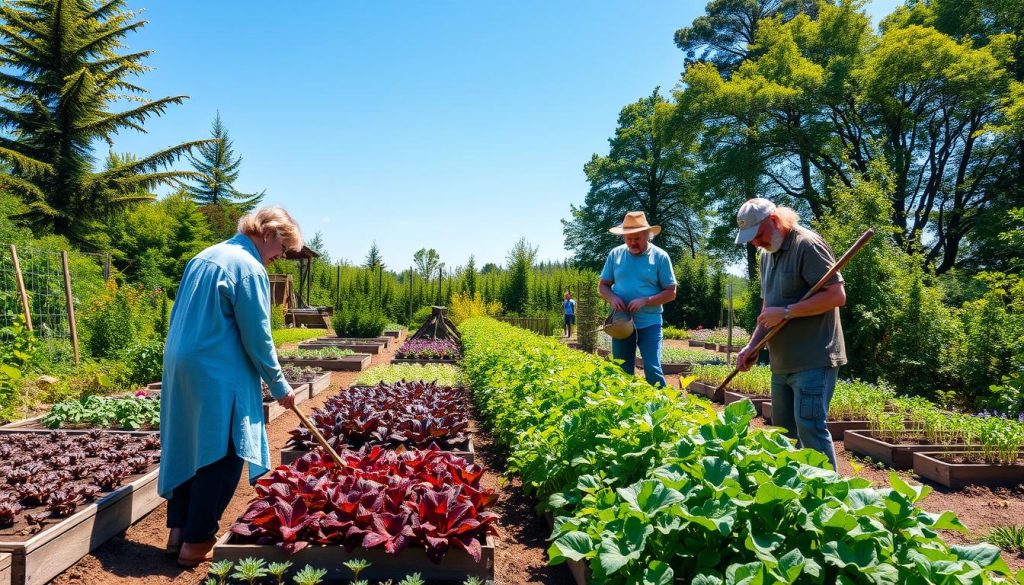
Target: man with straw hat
(806, 355)
(637, 280)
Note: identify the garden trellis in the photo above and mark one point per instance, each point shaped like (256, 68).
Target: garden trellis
(35, 281)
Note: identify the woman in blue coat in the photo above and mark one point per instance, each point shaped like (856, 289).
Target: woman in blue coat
(218, 349)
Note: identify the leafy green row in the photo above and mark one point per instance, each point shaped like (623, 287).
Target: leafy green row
(442, 374)
(309, 354)
(130, 413)
(649, 487)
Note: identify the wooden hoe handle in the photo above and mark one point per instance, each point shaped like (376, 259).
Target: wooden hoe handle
(319, 438)
(843, 261)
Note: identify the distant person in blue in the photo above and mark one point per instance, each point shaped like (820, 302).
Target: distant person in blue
(638, 279)
(569, 310)
(218, 349)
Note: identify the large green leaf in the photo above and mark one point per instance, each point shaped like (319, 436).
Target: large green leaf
(574, 546)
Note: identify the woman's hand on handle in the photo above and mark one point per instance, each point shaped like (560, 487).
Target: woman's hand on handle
(287, 401)
(746, 359)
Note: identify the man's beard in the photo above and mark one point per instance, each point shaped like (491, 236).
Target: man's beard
(776, 243)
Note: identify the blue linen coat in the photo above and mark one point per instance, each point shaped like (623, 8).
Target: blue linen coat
(218, 348)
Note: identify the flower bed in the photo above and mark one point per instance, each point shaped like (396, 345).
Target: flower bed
(412, 505)
(317, 378)
(66, 493)
(650, 487)
(429, 349)
(414, 415)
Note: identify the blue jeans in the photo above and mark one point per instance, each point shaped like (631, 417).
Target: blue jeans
(800, 402)
(648, 340)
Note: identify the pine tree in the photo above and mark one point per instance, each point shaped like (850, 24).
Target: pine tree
(373, 258)
(219, 169)
(471, 276)
(64, 68)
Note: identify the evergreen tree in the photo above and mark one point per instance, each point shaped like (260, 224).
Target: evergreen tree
(470, 281)
(374, 260)
(64, 68)
(219, 169)
(517, 290)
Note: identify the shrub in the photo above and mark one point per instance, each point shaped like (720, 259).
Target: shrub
(463, 306)
(420, 317)
(670, 332)
(352, 321)
(144, 362)
(117, 319)
(277, 317)
(17, 345)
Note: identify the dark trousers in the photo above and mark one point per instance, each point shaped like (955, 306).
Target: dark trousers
(197, 505)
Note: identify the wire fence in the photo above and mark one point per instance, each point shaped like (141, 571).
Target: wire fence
(42, 274)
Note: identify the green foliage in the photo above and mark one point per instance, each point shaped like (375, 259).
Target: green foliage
(670, 332)
(1009, 537)
(356, 566)
(649, 167)
(414, 579)
(323, 352)
(648, 486)
(358, 320)
(118, 318)
(675, 355)
(218, 169)
(699, 293)
(282, 336)
(309, 576)
(590, 309)
(277, 570)
(131, 413)
(443, 374)
(516, 296)
(250, 570)
(17, 347)
(69, 68)
(277, 317)
(145, 362)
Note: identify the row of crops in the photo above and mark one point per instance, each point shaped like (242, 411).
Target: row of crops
(647, 486)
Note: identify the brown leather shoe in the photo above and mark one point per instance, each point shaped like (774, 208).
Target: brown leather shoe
(194, 554)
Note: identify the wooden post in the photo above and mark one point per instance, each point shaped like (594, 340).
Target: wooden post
(337, 288)
(21, 287)
(106, 267)
(728, 339)
(71, 303)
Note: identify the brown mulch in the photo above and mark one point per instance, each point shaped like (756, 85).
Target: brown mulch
(136, 555)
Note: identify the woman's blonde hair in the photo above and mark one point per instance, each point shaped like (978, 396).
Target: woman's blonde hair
(788, 218)
(273, 219)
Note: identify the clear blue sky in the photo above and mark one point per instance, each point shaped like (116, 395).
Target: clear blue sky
(456, 125)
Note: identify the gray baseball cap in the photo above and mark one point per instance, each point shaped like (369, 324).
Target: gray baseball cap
(750, 216)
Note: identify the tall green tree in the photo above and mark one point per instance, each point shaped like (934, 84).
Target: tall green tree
(374, 260)
(219, 169)
(649, 168)
(516, 296)
(65, 66)
(427, 262)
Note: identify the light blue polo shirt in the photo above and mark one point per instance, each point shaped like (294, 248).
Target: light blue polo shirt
(638, 276)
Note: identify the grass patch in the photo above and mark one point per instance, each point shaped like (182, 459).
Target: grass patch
(1009, 537)
(295, 334)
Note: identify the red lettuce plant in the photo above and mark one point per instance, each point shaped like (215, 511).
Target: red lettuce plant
(378, 498)
(415, 415)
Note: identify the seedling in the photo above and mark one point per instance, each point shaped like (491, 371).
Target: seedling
(250, 569)
(309, 576)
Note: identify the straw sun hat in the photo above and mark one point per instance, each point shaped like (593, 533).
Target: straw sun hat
(635, 221)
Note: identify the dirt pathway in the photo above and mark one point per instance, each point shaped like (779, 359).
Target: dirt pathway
(136, 556)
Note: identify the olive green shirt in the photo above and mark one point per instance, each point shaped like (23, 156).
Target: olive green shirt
(805, 342)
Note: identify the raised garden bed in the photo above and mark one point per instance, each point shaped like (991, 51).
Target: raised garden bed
(290, 455)
(731, 396)
(272, 409)
(370, 348)
(350, 363)
(706, 390)
(456, 565)
(724, 348)
(836, 428)
(676, 368)
(323, 382)
(711, 346)
(695, 343)
(397, 335)
(61, 542)
(5, 568)
(897, 456)
(423, 362)
(958, 469)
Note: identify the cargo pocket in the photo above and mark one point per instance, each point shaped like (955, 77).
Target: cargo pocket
(812, 403)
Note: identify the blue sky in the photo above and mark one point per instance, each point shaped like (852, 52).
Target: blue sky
(455, 125)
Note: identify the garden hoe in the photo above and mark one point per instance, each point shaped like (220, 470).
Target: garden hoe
(319, 438)
(860, 243)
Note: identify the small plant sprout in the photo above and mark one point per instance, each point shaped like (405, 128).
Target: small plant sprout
(211, 581)
(221, 570)
(277, 570)
(250, 570)
(473, 581)
(309, 576)
(414, 579)
(356, 566)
